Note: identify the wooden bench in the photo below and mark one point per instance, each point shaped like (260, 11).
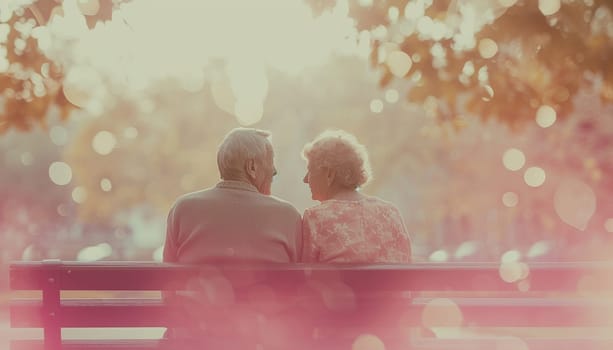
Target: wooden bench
(467, 306)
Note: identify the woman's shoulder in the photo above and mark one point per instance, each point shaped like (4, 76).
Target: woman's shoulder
(322, 207)
(328, 209)
(335, 208)
(377, 202)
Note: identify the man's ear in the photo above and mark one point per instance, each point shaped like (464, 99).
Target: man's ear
(330, 176)
(250, 168)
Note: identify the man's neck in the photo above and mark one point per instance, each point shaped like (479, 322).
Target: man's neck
(239, 178)
(237, 184)
(242, 178)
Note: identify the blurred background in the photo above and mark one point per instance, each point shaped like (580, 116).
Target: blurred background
(489, 123)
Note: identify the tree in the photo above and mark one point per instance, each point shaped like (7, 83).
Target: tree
(494, 59)
(31, 83)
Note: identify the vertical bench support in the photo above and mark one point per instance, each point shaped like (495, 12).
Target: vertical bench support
(51, 305)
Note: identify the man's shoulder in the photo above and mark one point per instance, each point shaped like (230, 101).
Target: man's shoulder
(213, 195)
(192, 196)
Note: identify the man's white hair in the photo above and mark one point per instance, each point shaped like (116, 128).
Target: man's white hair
(239, 145)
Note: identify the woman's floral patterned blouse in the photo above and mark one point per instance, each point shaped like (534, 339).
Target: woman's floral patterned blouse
(369, 230)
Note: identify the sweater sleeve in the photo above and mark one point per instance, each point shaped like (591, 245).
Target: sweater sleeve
(310, 250)
(170, 245)
(402, 229)
(298, 239)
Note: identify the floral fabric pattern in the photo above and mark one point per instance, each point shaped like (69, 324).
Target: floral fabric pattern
(366, 231)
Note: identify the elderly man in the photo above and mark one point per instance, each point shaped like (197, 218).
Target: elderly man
(237, 220)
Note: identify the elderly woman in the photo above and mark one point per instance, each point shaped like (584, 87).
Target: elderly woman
(348, 226)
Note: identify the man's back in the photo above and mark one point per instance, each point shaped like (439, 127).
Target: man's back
(232, 222)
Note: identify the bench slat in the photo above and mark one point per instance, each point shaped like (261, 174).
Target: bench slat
(513, 343)
(493, 312)
(415, 277)
(418, 344)
(139, 344)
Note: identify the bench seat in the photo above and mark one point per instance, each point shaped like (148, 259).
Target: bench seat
(389, 301)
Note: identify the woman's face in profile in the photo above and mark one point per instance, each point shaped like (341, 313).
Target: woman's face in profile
(317, 180)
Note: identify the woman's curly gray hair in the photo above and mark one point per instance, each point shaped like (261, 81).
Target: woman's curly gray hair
(341, 151)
